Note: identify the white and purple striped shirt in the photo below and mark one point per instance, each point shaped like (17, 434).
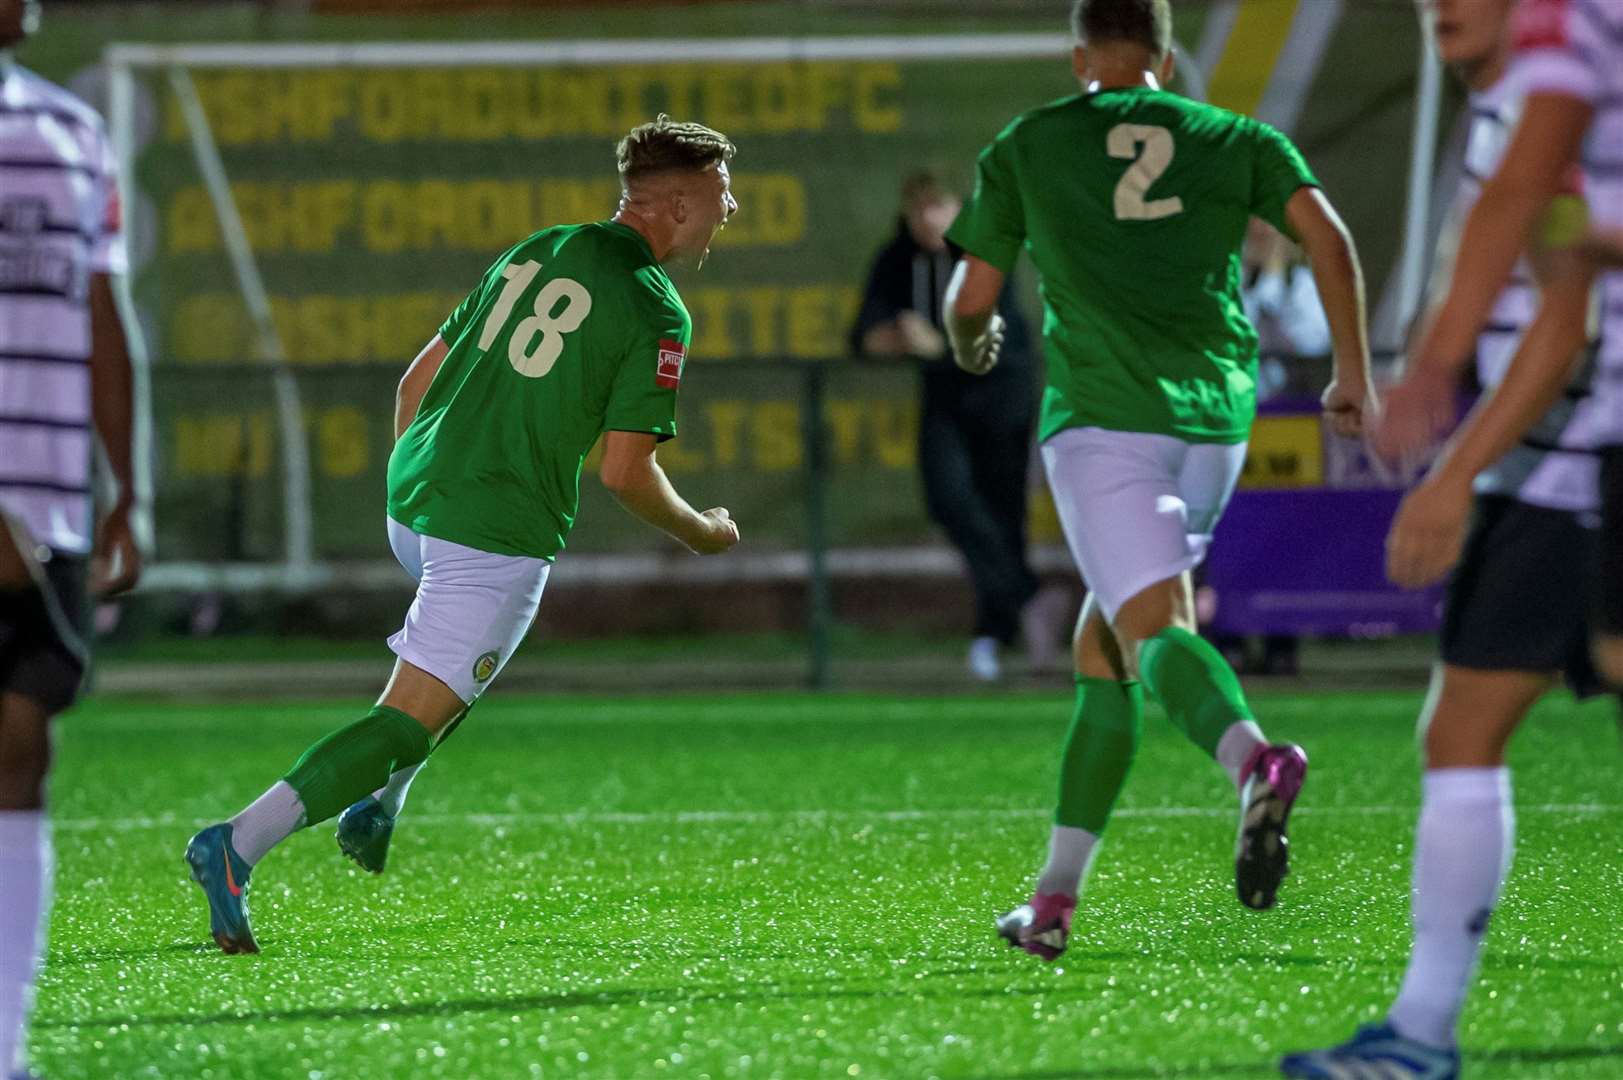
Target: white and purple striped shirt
(1575, 48)
(59, 225)
(1555, 466)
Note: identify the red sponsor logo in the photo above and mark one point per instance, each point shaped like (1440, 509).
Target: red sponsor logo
(1542, 24)
(668, 372)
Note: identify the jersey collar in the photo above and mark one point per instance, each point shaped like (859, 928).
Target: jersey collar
(627, 230)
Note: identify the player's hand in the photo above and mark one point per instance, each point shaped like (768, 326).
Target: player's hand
(1428, 533)
(116, 565)
(1417, 414)
(984, 350)
(1350, 407)
(720, 532)
(919, 338)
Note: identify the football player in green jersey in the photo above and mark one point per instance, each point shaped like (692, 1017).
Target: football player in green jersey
(574, 334)
(1133, 203)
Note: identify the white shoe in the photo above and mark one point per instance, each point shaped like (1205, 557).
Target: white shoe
(1040, 623)
(983, 662)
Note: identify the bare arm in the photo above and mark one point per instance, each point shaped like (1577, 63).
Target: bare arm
(1605, 246)
(630, 472)
(415, 382)
(1535, 379)
(1532, 172)
(1429, 531)
(1330, 252)
(973, 327)
(112, 407)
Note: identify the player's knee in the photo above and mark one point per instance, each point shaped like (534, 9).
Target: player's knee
(1461, 746)
(1152, 610)
(25, 761)
(1094, 661)
(1607, 650)
(1467, 726)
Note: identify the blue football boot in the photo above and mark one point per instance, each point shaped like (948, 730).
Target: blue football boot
(1378, 1052)
(363, 834)
(223, 876)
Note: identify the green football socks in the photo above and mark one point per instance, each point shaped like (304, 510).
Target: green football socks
(1195, 685)
(1098, 751)
(357, 760)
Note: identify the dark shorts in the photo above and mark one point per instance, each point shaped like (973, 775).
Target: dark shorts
(44, 634)
(1519, 600)
(1608, 609)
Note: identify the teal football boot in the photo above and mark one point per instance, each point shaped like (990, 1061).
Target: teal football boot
(1377, 1051)
(363, 834)
(222, 874)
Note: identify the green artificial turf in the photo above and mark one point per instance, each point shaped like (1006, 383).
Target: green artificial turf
(795, 886)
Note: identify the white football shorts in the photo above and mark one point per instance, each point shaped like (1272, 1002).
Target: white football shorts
(472, 608)
(1137, 508)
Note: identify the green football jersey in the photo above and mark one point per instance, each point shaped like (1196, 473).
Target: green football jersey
(1134, 204)
(573, 332)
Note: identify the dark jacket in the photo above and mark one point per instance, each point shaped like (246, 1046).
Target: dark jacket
(906, 277)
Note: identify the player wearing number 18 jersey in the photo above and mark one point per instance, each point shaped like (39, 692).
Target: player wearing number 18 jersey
(1133, 203)
(574, 334)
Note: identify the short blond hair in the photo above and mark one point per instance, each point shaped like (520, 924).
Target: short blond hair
(666, 145)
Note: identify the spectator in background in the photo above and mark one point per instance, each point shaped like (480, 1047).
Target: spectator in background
(1283, 305)
(974, 431)
(1282, 302)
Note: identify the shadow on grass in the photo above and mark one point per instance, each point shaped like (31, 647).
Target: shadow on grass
(152, 952)
(635, 996)
(1520, 1056)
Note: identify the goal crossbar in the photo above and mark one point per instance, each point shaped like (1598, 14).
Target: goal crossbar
(585, 51)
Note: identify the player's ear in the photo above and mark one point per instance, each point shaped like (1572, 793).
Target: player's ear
(1079, 62)
(1169, 63)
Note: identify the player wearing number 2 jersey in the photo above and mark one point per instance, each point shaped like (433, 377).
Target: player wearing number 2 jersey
(1133, 204)
(574, 334)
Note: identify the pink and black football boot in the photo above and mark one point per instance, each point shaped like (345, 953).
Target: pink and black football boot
(1041, 926)
(1272, 779)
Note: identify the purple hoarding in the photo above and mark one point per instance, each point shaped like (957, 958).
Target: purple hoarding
(1301, 549)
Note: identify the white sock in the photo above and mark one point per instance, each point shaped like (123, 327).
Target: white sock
(1234, 749)
(267, 821)
(25, 891)
(1463, 847)
(1070, 850)
(392, 796)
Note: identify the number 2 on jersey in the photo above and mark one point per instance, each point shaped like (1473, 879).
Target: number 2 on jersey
(538, 340)
(1147, 166)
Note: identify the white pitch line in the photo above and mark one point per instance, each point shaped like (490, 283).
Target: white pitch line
(811, 817)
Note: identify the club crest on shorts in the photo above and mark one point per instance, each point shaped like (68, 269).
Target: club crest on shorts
(485, 667)
(668, 372)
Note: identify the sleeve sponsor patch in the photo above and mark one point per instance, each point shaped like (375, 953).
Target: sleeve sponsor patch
(1542, 24)
(668, 372)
